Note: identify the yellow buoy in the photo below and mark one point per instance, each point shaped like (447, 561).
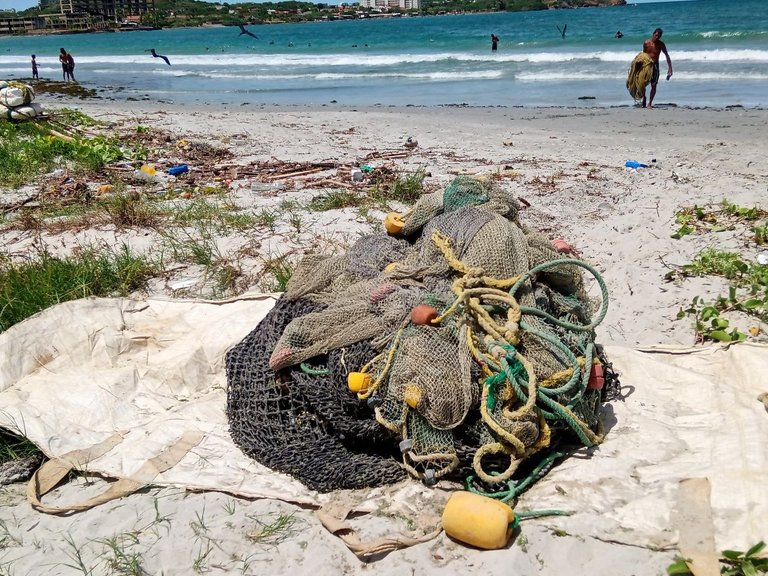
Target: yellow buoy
(358, 382)
(478, 520)
(394, 223)
(412, 395)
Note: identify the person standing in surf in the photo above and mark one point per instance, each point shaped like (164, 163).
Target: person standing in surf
(654, 47)
(494, 42)
(64, 63)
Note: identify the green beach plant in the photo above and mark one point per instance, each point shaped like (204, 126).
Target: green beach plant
(335, 200)
(272, 532)
(753, 562)
(406, 188)
(15, 447)
(278, 272)
(30, 287)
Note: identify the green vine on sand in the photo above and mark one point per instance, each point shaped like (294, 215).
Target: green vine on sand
(748, 290)
(734, 563)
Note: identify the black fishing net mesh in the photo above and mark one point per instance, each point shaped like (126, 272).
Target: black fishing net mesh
(308, 426)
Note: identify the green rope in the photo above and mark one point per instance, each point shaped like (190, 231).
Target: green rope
(516, 487)
(571, 357)
(539, 513)
(562, 323)
(307, 369)
(558, 411)
(492, 383)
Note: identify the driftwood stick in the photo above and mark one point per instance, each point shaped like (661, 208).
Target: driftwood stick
(285, 175)
(16, 205)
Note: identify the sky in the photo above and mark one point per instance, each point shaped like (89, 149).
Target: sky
(24, 4)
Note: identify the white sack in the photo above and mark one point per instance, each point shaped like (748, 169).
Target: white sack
(14, 95)
(21, 112)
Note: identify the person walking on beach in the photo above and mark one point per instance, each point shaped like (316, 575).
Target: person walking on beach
(494, 42)
(34, 68)
(654, 47)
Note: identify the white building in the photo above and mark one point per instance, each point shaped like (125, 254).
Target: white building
(389, 4)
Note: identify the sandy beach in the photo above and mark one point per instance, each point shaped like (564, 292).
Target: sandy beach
(567, 165)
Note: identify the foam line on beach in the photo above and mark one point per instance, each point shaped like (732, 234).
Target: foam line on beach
(372, 60)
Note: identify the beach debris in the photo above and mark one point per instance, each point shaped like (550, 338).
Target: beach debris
(452, 369)
(411, 142)
(20, 470)
(17, 102)
(176, 170)
(563, 247)
(635, 164)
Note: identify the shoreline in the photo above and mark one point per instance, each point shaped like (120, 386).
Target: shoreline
(116, 96)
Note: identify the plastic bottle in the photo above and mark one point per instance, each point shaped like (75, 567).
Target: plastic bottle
(635, 164)
(175, 170)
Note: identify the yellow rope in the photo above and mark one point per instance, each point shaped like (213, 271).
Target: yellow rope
(390, 355)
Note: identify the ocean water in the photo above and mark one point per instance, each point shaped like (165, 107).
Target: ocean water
(719, 52)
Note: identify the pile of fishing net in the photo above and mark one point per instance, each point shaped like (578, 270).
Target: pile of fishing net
(17, 101)
(459, 344)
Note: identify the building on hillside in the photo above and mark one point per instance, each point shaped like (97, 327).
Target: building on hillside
(109, 9)
(390, 4)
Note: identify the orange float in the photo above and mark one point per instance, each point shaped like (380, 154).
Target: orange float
(423, 314)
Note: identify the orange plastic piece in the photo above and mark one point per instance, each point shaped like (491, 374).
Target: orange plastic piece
(423, 314)
(596, 377)
(394, 223)
(358, 382)
(562, 246)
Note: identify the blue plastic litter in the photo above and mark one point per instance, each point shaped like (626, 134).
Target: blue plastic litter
(178, 170)
(635, 164)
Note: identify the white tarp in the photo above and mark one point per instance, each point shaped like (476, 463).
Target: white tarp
(76, 374)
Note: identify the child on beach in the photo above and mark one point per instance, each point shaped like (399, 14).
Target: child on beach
(34, 68)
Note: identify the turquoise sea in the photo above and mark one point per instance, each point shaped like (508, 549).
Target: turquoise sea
(719, 51)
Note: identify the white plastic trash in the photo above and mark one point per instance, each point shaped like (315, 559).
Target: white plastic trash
(25, 112)
(16, 94)
(357, 175)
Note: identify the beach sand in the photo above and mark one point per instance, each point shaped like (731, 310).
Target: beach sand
(568, 166)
